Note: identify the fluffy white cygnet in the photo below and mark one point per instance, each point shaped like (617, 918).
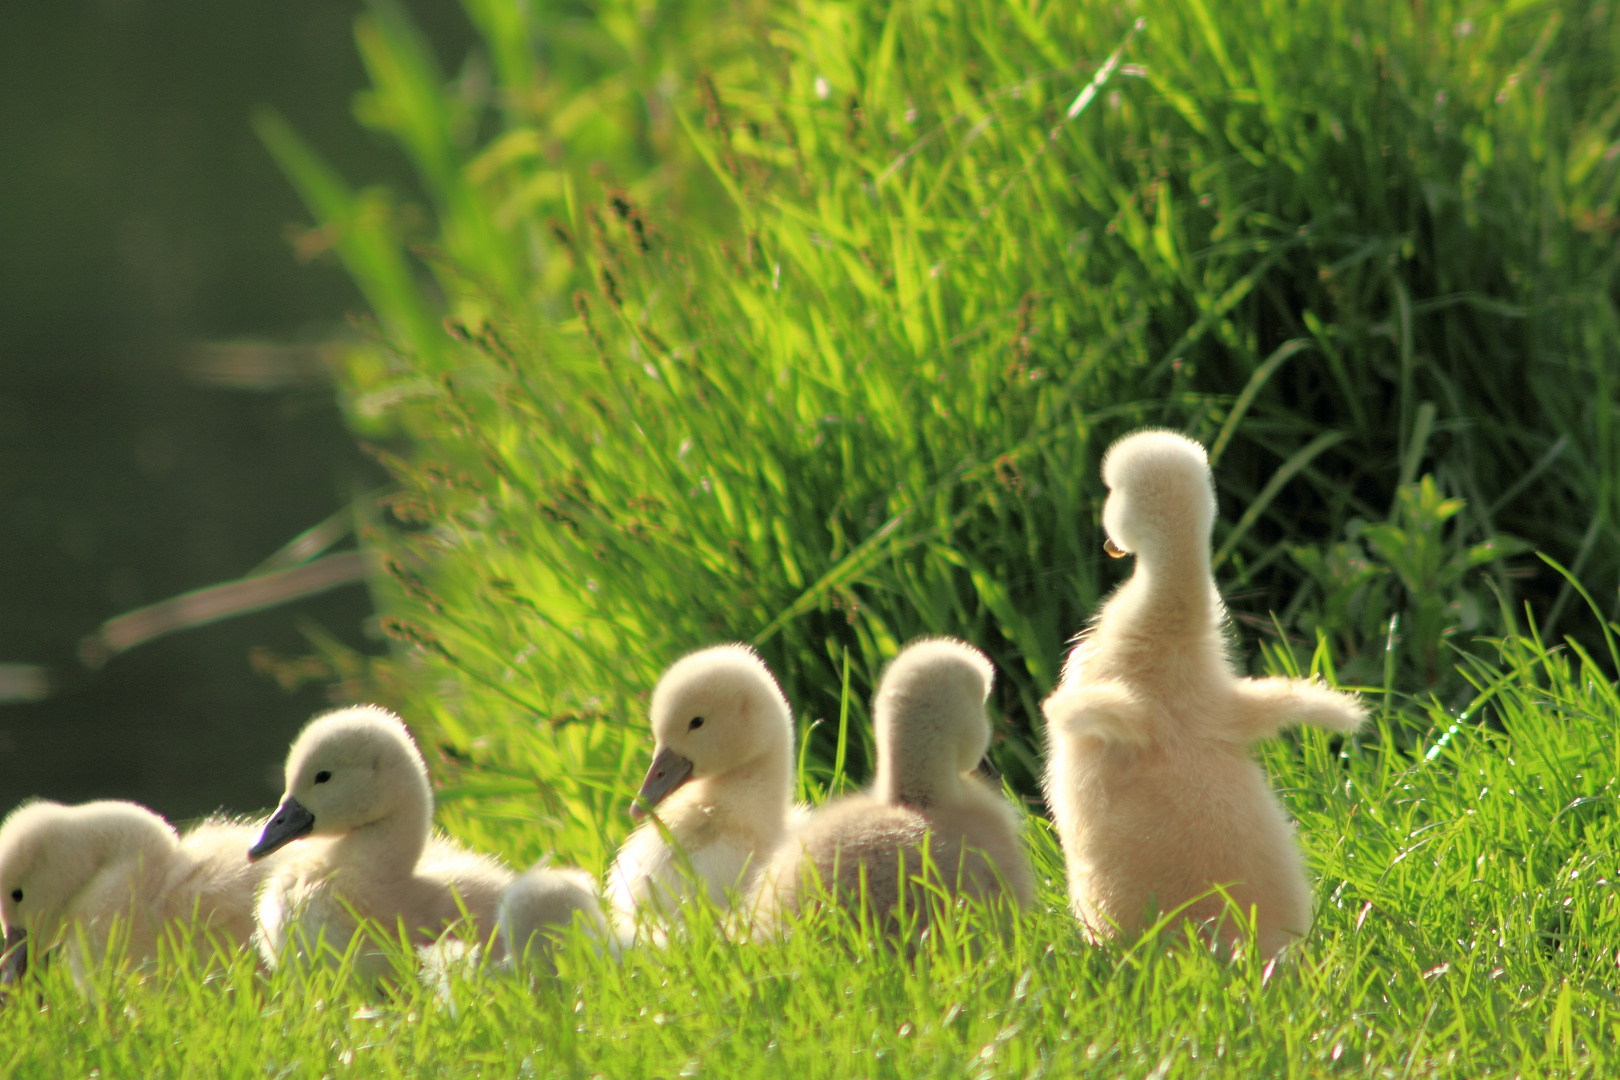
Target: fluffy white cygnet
(931, 734)
(540, 906)
(357, 786)
(72, 872)
(1148, 777)
(719, 791)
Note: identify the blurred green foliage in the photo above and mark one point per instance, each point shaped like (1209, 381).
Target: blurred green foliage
(806, 325)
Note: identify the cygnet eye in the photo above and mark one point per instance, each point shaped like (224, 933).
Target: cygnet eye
(16, 895)
(697, 722)
(323, 776)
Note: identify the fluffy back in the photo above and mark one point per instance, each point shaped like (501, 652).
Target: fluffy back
(539, 908)
(49, 852)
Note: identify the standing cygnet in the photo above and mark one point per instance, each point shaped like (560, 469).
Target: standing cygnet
(932, 734)
(540, 906)
(355, 778)
(720, 786)
(72, 870)
(1148, 776)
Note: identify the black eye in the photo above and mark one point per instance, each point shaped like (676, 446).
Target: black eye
(16, 894)
(322, 777)
(697, 722)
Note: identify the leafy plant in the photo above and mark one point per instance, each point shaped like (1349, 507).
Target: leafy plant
(1410, 581)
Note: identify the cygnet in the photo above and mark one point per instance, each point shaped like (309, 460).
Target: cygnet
(71, 873)
(718, 796)
(539, 908)
(931, 735)
(357, 787)
(1156, 799)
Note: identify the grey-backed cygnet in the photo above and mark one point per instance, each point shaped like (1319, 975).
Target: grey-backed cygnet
(720, 787)
(357, 786)
(68, 872)
(540, 906)
(1148, 776)
(931, 734)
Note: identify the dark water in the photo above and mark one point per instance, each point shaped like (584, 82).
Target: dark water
(139, 216)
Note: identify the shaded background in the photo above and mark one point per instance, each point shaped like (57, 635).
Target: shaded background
(139, 217)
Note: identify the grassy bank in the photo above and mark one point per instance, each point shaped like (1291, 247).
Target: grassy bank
(809, 331)
(1466, 927)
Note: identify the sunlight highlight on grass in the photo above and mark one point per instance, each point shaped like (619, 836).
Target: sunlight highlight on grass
(1466, 926)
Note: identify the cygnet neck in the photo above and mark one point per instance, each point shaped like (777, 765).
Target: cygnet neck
(390, 845)
(126, 831)
(1172, 583)
(762, 784)
(910, 772)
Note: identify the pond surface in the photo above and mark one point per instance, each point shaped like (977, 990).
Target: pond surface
(140, 218)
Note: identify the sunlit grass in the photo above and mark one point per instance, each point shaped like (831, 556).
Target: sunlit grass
(1466, 926)
(817, 344)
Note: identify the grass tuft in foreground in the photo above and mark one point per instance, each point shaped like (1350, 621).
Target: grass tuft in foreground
(1466, 927)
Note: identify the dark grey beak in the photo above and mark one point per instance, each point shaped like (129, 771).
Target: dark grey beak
(668, 771)
(1113, 549)
(14, 961)
(986, 770)
(292, 820)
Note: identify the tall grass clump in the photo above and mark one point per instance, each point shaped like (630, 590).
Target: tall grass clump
(809, 329)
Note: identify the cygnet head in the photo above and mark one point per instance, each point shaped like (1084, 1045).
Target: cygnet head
(349, 769)
(929, 719)
(50, 852)
(1159, 492)
(714, 712)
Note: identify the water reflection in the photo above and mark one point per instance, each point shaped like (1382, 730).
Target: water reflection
(165, 423)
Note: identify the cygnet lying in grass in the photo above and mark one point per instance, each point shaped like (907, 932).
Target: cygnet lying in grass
(357, 785)
(931, 735)
(719, 790)
(540, 906)
(72, 872)
(1149, 778)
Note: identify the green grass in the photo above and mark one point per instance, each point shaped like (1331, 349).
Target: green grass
(807, 324)
(1466, 927)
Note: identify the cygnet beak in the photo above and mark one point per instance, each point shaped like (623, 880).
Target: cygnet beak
(14, 961)
(1113, 549)
(668, 771)
(292, 820)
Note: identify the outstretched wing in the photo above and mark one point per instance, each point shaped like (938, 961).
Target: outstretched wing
(1104, 710)
(1266, 706)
